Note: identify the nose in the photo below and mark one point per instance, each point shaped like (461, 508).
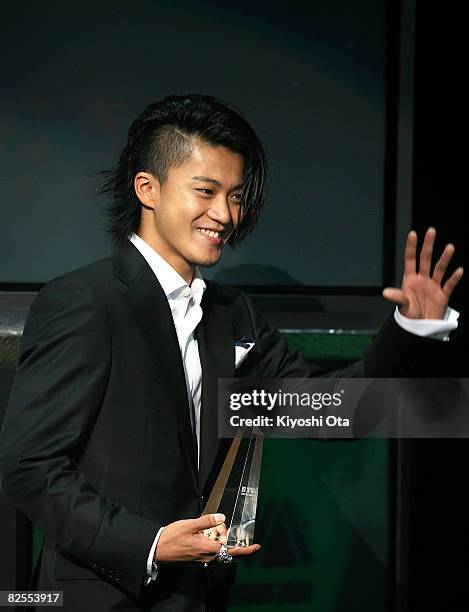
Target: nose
(220, 210)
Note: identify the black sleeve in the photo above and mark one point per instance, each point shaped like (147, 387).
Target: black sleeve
(394, 353)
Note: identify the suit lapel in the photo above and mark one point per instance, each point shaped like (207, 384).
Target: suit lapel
(216, 349)
(149, 306)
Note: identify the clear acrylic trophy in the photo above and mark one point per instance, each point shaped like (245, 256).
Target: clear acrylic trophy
(235, 491)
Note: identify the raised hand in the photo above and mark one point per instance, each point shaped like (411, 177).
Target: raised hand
(422, 296)
(186, 541)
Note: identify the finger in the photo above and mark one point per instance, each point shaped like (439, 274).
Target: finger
(426, 252)
(241, 551)
(216, 533)
(211, 550)
(409, 253)
(207, 547)
(206, 558)
(206, 521)
(452, 281)
(218, 530)
(442, 263)
(393, 294)
(221, 533)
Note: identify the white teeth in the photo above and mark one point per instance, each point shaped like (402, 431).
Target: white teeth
(209, 232)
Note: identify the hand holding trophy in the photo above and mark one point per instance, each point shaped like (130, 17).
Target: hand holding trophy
(235, 495)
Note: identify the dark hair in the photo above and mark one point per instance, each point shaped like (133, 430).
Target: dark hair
(163, 136)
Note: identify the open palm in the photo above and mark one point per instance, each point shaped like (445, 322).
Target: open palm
(422, 296)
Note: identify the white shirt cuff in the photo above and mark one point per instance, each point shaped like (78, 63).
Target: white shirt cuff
(438, 329)
(152, 568)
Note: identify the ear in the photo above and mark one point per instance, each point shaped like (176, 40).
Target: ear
(147, 188)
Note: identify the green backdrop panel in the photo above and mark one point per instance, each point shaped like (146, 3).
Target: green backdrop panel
(322, 516)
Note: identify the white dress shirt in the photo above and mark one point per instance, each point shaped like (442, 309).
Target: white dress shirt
(438, 329)
(184, 301)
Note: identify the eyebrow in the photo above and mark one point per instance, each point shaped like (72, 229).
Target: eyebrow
(207, 179)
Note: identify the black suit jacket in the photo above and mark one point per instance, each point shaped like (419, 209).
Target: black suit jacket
(96, 447)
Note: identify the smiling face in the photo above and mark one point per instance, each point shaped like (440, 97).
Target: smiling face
(189, 217)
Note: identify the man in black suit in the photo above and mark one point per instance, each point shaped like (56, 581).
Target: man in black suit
(110, 438)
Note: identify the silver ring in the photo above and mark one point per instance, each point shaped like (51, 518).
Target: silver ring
(223, 555)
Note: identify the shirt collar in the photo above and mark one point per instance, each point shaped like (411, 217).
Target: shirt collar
(171, 282)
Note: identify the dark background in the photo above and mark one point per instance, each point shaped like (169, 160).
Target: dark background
(309, 76)
(438, 481)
